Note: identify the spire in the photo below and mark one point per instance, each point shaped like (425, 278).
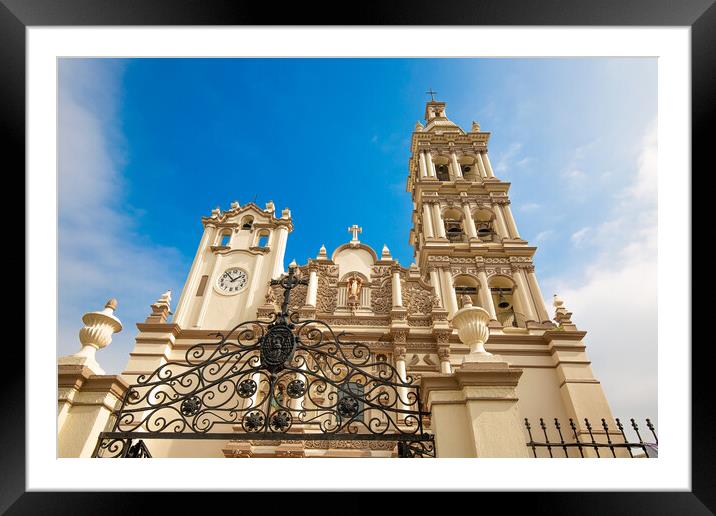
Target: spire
(437, 120)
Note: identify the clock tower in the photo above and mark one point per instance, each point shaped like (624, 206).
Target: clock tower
(241, 250)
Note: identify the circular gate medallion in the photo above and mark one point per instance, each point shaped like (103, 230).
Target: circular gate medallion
(347, 407)
(277, 347)
(280, 421)
(296, 389)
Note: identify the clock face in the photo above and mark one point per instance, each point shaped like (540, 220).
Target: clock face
(232, 281)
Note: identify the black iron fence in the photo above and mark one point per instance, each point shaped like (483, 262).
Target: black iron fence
(587, 441)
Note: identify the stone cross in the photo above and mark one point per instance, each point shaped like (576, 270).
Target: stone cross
(355, 230)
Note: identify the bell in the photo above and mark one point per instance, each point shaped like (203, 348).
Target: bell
(502, 302)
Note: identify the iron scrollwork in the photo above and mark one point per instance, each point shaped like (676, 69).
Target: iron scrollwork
(264, 378)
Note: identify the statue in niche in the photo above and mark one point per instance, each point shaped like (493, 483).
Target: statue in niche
(354, 286)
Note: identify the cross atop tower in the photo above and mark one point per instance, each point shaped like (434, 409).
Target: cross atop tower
(432, 94)
(355, 230)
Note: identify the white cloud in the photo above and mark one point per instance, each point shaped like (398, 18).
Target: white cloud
(574, 174)
(100, 253)
(543, 236)
(579, 236)
(530, 206)
(615, 299)
(511, 157)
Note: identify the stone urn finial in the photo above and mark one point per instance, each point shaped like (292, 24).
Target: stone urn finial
(96, 334)
(471, 323)
(322, 253)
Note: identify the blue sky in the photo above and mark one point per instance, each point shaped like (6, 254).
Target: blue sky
(148, 146)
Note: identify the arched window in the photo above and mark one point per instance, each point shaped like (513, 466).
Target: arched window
(466, 286)
(247, 223)
(263, 238)
(225, 239)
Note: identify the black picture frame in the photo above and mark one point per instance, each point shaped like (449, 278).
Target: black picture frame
(700, 15)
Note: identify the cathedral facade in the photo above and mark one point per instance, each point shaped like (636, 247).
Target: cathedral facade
(472, 273)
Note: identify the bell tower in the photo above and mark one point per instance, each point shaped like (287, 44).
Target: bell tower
(464, 235)
(241, 250)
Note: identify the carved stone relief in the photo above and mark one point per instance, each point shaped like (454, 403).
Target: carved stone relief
(382, 297)
(417, 299)
(327, 296)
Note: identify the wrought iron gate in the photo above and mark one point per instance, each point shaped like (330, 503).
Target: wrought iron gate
(265, 379)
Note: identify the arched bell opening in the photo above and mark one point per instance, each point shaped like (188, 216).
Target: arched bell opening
(485, 225)
(466, 285)
(442, 168)
(454, 227)
(508, 308)
(247, 223)
(469, 169)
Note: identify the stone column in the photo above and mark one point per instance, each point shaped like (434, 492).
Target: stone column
(488, 166)
(439, 224)
(399, 354)
(450, 290)
(312, 287)
(537, 295)
(580, 391)
(431, 165)
(86, 395)
(435, 282)
(422, 165)
(480, 165)
(469, 222)
(395, 287)
(524, 295)
(427, 221)
(510, 220)
(486, 294)
(85, 402)
(457, 171)
(474, 411)
(500, 219)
